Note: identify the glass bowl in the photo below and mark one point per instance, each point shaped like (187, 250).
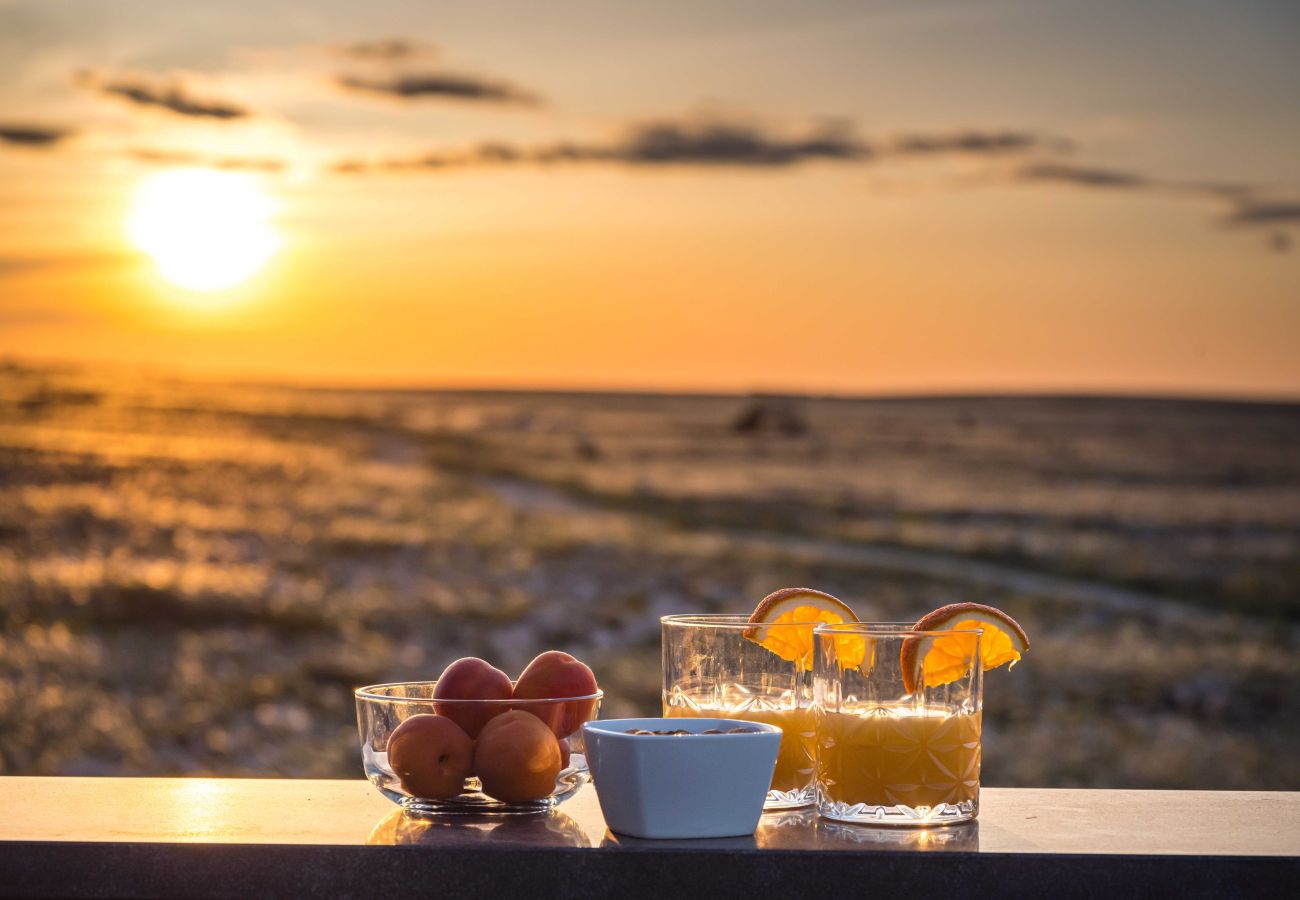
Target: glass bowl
(382, 707)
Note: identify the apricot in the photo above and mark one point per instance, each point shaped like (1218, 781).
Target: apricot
(471, 678)
(431, 756)
(517, 758)
(565, 752)
(557, 674)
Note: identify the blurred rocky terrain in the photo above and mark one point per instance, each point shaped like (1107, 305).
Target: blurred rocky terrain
(193, 575)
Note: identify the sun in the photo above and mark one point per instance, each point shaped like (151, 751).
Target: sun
(205, 230)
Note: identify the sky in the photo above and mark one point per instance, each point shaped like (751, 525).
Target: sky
(865, 197)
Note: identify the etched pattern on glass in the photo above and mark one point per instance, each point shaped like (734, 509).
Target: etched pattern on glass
(711, 671)
(888, 757)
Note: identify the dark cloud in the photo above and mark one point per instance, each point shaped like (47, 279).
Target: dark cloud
(982, 143)
(1223, 190)
(22, 265)
(713, 143)
(1119, 179)
(699, 144)
(1083, 176)
(385, 49)
(1274, 215)
(447, 85)
(36, 316)
(170, 96)
(33, 136)
(482, 155)
(1245, 206)
(709, 142)
(187, 158)
(721, 143)
(1265, 212)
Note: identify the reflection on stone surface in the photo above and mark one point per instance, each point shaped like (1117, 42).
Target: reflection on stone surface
(787, 829)
(614, 839)
(803, 829)
(552, 829)
(828, 835)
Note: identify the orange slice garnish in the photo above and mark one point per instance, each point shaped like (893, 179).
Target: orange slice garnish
(942, 659)
(784, 620)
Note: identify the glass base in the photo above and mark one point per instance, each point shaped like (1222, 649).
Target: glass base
(476, 804)
(955, 836)
(898, 816)
(790, 799)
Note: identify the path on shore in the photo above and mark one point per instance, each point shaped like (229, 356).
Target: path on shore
(539, 497)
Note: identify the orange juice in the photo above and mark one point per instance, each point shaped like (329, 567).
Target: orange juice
(794, 761)
(899, 756)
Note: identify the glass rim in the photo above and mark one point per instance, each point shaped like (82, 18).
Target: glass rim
(372, 692)
(879, 629)
(741, 620)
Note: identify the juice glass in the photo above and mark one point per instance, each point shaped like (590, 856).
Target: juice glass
(887, 756)
(710, 670)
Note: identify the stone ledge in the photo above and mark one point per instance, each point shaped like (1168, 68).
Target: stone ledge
(127, 837)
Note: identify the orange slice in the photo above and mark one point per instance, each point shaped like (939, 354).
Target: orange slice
(943, 659)
(806, 609)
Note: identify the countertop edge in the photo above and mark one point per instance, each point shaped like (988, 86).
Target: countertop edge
(77, 869)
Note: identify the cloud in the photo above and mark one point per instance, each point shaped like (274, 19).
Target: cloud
(702, 143)
(718, 143)
(1245, 207)
(384, 49)
(1084, 176)
(721, 143)
(1265, 212)
(713, 142)
(1223, 190)
(188, 158)
(982, 143)
(1119, 179)
(22, 265)
(171, 96)
(32, 135)
(411, 86)
(1277, 215)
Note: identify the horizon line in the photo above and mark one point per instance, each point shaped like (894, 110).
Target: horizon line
(267, 379)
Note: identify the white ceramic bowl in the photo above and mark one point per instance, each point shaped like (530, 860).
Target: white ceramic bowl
(681, 786)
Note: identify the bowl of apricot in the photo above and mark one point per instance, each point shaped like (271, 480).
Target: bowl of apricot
(477, 741)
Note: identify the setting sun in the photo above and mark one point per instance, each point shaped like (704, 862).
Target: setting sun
(205, 230)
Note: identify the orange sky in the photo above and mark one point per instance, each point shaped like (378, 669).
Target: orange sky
(1037, 231)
